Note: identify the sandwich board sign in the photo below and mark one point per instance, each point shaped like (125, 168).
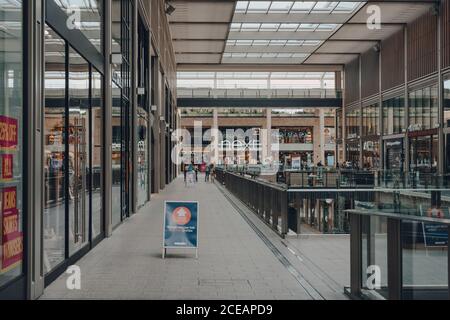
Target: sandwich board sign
(180, 225)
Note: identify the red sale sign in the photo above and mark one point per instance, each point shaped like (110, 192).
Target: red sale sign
(8, 132)
(12, 238)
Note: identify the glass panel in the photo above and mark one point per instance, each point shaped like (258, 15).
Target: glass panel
(258, 6)
(116, 154)
(374, 252)
(91, 17)
(54, 150)
(97, 142)
(116, 36)
(446, 95)
(11, 111)
(303, 6)
(425, 260)
(79, 148)
(280, 6)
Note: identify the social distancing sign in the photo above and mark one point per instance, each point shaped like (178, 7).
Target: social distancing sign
(180, 225)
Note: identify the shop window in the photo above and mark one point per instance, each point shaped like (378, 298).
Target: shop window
(393, 115)
(295, 135)
(446, 97)
(370, 116)
(11, 144)
(54, 150)
(353, 122)
(423, 109)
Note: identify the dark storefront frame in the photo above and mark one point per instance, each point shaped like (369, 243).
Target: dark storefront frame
(56, 18)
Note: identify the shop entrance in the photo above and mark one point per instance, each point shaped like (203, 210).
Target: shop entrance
(73, 139)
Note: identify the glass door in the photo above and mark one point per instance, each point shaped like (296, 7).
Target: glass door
(79, 148)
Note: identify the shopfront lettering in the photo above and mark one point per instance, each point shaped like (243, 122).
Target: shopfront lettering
(12, 250)
(9, 199)
(10, 224)
(8, 132)
(7, 166)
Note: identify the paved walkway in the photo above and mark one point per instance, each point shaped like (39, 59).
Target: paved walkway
(235, 261)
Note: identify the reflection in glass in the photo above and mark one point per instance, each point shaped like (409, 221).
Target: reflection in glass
(142, 157)
(374, 251)
(96, 142)
(116, 154)
(423, 109)
(79, 148)
(91, 16)
(393, 115)
(425, 260)
(11, 111)
(54, 150)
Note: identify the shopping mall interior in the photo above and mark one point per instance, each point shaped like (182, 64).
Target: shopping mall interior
(313, 137)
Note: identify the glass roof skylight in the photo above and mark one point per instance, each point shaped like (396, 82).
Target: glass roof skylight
(250, 7)
(282, 27)
(278, 42)
(278, 23)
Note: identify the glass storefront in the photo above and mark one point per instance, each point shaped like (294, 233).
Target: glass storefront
(446, 97)
(353, 152)
(423, 109)
(121, 111)
(143, 152)
(73, 126)
(370, 116)
(393, 115)
(89, 16)
(295, 135)
(353, 122)
(394, 154)
(371, 154)
(54, 150)
(423, 153)
(11, 142)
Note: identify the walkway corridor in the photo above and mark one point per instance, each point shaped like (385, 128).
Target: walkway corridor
(235, 261)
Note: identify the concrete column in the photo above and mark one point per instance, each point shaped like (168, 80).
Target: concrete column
(107, 185)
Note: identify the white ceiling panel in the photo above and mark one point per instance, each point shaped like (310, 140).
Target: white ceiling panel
(393, 12)
(198, 31)
(198, 58)
(202, 11)
(346, 46)
(184, 46)
(330, 58)
(360, 31)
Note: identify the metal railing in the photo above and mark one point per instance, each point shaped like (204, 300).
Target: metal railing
(258, 93)
(268, 201)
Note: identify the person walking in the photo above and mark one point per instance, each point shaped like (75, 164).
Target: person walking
(207, 173)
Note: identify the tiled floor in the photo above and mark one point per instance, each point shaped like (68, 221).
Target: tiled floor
(233, 263)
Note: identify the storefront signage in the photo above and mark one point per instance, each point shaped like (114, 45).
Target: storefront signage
(8, 132)
(7, 166)
(180, 225)
(12, 238)
(422, 133)
(397, 143)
